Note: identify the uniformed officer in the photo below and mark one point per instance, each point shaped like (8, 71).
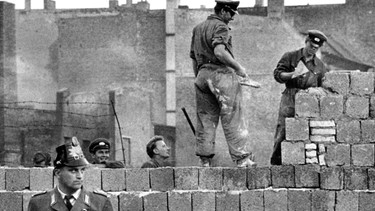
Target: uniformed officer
(70, 165)
(100, 150)
(299, 69)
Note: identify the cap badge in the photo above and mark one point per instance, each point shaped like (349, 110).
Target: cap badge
(316, 39)
(75, 141)
(101, 143)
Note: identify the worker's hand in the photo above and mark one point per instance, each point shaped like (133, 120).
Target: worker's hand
(246, 81)
(300, 70)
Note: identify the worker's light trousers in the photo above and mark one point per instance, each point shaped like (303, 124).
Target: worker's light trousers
(219, 96)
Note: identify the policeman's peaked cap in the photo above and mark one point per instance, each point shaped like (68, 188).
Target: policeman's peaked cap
(99, 143)
(229, 4)
(317, 37)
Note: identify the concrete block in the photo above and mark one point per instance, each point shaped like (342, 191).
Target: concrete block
(366, 201)
(155, 201)
(323, 131)
(11, 201)
(322, 123)
(331, 178)
(210, 178)
(310, 146)
(347, 200)
(338, 155)
(161, 179)
(372, 106)
(322, 160)
(228, 201)
(17, 179)
(371, 178)
(259, 177)
(355, 178)
(368, 131)
(93, 179)
(331, 106)
(311, 153)
(323, 200)
(114, 198)
(306, 105)
(363, 154)
(41, 179)
(299, 200)
(252, 200)
(113, 179)
(321, 148)
(204, 201)
(307, 176)
(275, 200)
(322, 139)
(357, 107)
(296, 129)
(137, 179)
(2, 178)
(292, 153)
(312, 160)
(180, 201)
(282, 176)
(361, 83)
(337, 82)
(348, 132)
(263, 177)
(186, 178)
(130, 201)
(234, 179)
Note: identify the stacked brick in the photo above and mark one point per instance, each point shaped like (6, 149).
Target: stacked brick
(336, 128)
(286, 187)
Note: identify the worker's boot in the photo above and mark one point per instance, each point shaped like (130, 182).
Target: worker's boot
(246, 162)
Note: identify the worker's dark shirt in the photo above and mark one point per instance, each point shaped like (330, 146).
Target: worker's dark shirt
(206, 36)
(153, 163)
(289, 62)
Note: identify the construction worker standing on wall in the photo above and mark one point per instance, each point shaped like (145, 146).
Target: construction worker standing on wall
(218, 87)
(299, 69)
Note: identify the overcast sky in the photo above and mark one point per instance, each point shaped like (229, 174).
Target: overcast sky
(156, 4)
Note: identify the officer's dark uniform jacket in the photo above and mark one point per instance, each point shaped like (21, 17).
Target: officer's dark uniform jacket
(313, 78)
(112, 164)
(52, 200)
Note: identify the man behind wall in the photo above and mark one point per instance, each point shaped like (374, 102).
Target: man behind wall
(218, 87)
(299, 69)
(69, 194)
(158, 151)
(100, 150)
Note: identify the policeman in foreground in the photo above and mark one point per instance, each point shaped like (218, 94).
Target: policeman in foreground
(69, 194)
(100, 150)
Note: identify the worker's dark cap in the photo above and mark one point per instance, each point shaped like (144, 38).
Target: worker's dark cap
(229, 4)
(99, 143)
(70, 154)
(317, 37)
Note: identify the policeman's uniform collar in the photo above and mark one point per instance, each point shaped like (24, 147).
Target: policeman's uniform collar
(75, 194)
